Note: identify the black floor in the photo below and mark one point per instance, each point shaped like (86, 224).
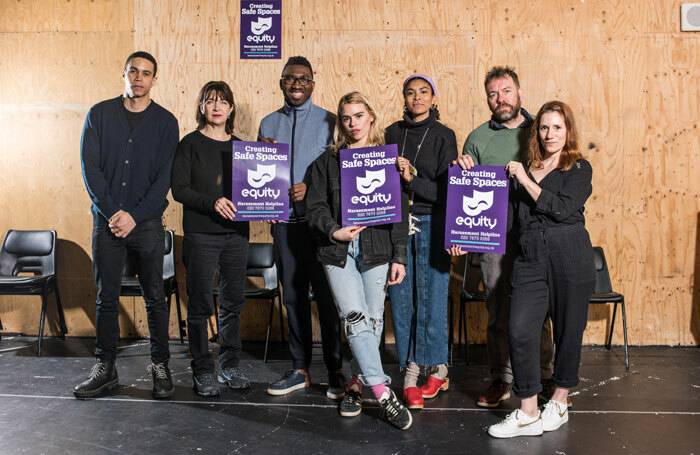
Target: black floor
(653, 409)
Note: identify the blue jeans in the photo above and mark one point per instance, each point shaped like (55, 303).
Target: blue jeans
(359, 294)
(419, 302)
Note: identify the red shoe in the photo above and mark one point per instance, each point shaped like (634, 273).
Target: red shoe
(414, 398)
(433, 386)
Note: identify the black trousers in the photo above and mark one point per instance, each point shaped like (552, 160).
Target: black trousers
(297, 264)
(554, 271)
(146, 243)
(203, 253)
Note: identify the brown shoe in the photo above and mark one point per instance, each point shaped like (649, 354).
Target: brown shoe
(498, 391)
(548, 391)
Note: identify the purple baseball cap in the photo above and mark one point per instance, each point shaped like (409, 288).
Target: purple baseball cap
(421, 76)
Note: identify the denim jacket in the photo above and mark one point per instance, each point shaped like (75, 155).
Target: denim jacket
(379, 244)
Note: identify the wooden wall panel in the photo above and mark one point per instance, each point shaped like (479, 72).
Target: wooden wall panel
(629, 74)
(66, 15)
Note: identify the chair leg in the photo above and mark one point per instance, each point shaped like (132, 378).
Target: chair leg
(624, 331)
(466, 334)
(1, 328)
(180, 322)
(61, 316)
(612, 328)
(269, 327)
(450, 325)
(44, 301)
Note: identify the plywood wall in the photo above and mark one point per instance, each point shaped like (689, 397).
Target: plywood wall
(626, 69)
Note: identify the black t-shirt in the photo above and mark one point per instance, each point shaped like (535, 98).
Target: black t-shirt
(134, 118)
(201, 174)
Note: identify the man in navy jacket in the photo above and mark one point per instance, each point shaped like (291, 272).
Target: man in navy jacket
(126, 152)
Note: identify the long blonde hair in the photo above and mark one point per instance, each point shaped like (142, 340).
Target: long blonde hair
(376, 133)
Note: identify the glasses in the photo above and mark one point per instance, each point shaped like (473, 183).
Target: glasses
(291, 80)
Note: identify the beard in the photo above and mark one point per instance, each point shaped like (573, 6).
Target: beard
(506, 116)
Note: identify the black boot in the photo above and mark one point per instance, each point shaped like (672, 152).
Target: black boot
(103, 376)
(162, 382)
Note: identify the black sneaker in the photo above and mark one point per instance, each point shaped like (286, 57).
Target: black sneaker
(393, 411)
(336, 385)
(204, 385)
(162, 382)
(351, 404)
(234, 377)
(103, 376)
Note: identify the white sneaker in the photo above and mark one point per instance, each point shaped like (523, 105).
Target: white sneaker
(517, 423)
(554, 415)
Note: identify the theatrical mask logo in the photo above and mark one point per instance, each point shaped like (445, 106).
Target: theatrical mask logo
(262, 175)
(262, 25)
(371, 181)
(480, 201)
(367, 184)
(472, 206)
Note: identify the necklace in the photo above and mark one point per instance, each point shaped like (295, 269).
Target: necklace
(420, 144)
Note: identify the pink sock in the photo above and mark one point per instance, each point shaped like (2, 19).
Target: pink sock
(379, 390)
(355, 382)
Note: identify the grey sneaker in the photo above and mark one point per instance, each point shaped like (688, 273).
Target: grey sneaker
(234, 377)
(394, 412)
(351, 404)
(204, 385)
(336, 385)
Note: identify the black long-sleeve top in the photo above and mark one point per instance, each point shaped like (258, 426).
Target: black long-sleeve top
(128, 170)
(201, 174)
(439, 148)
(561, 201)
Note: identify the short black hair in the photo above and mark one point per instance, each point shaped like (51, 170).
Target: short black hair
(147, 56)
(299, 60)
(498, 72)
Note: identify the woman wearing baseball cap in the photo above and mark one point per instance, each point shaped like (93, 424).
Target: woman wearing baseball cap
(419, 304)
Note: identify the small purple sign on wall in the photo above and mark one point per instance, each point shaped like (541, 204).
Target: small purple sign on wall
(477, 209)
(260, 181)
(261, 29)
(370, 190)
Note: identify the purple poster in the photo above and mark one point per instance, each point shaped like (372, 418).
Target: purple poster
(261, 29)
(260, 181)
(477, 209)
(370, 190)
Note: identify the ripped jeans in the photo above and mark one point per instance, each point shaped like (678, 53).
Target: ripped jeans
(359, 293)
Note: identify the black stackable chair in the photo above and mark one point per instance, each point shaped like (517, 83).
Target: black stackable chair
(31, 252)
(261, 263)
(471, 292)
(132, 288)
(604, 294)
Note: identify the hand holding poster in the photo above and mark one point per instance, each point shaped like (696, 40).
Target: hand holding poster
(477, 209)
(370, 189)
(260, 178)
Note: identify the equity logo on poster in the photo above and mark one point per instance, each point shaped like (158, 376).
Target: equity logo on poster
(261, 175)
(371, 181)
(260, 26)
(367, 185)
(473, 206)
(480, 201)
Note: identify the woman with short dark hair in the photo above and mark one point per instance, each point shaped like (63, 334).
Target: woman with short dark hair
(201, 181)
